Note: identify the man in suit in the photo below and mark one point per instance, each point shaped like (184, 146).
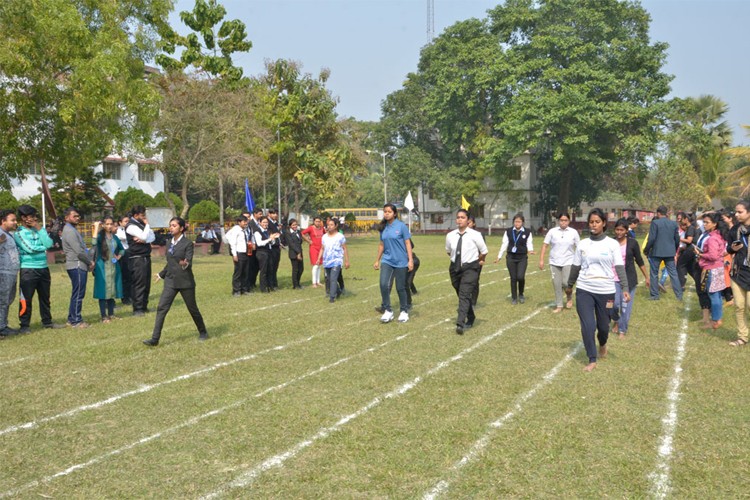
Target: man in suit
(274, 227)
(293, 241)
(178, 277)
(139, 237)
(252, 228)
(661, 246)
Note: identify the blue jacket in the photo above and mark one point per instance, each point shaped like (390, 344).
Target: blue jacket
(663, 239)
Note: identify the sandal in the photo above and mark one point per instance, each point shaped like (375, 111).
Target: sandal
(738, 343)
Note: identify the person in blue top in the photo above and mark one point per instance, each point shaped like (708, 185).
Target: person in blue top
(394, 259)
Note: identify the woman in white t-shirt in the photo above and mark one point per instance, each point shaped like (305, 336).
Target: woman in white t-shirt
(595, 263)
(333, 255)
(562, 242)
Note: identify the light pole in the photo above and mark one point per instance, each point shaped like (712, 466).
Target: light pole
(385, 178)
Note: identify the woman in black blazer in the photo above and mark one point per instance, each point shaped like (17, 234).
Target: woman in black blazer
(178, 277)
(293, 241)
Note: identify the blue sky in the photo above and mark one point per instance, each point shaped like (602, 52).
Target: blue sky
(370, 45)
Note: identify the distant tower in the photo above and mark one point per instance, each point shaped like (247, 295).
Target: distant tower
(430, 20)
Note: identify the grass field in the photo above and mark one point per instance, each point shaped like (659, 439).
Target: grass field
(294, 397)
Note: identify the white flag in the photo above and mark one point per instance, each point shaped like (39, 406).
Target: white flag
(409, 202)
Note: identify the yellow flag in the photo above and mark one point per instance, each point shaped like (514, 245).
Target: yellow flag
(464, 204)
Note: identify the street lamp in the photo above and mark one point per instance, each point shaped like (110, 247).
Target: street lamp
(385, 179)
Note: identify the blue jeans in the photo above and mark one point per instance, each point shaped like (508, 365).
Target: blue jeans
(717, 306)
(332, 276)
(625, 308)
(671, 268)
(399, 273)
(78, 279)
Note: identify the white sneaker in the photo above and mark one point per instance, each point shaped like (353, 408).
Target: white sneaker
(403, 317)
(387, 317)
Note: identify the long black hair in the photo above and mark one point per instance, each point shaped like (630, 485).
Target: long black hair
(383, 223)
(101, 238)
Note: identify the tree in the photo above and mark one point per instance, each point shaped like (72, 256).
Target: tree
(208, 49)
(579, 79)
(125, 200)
(7, 201)
(205, 211)
(316, 151)
(72, 86)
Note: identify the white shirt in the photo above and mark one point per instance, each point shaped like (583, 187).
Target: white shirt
(147, 235)
(598, 260)
(237, 240)
(506, 241)
(562, 245)
(121, 236)
(472, 246)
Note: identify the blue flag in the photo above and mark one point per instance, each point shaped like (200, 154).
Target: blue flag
(248, 198)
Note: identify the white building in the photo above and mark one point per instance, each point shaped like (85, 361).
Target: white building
(493, 208)
(119, 175)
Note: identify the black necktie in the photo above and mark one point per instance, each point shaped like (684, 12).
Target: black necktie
(457, 261)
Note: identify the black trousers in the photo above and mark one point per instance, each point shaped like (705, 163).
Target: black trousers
(475, 294)
(464, 281)
(239, 277)
(253, 269)
(273, 280)
(686, 262)
(264, 268)
(165, 303)
(140, 282)
(125, 273)
(517, 270)
(298, 267)
(35, 281)
(595, 316)
(703, 299)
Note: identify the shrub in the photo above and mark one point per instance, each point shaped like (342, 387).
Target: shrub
(125, 200)
(7, 201)
(204, 211)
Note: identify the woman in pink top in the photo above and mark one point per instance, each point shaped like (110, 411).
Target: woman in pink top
(711, 262)
(314, 235)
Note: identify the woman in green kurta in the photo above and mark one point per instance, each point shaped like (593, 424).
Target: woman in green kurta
(107, 275)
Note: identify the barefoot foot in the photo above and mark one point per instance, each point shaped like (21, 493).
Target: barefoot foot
(589, 367)
(603, 351)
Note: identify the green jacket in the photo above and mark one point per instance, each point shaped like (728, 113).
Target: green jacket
(32, 247)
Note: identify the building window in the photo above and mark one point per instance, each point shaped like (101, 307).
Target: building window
(112, 170)
(436, 218)
(145, 174)
(477, 211)
(34, 169)
(514, 172)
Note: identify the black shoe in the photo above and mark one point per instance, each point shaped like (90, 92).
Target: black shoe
(138, 313)
(514, 301)
(459, 329)
(24, 330)
(332, 300)
(521, 299)
(54, 326)
(7, 331)
(151, 342)
(127, 302)
(414, 290)
(203, 336)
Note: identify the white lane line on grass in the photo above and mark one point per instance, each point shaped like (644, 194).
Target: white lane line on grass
(660, 477)
(149, 387)
(479, 445)
(247, 478)
(199, 418)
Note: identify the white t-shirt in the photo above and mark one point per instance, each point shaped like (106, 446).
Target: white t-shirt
(333, 250)
(598, 260)
(562, 245)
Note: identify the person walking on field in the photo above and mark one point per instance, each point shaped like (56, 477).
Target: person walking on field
(293, 241)
(394, 259)
(596, 262)
(333, 255)
(178, 278)
(661, 246)
(562, 242)
(711, 262)
(521, 244)
(467, 251)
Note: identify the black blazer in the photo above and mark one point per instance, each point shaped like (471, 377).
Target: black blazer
(293, 240)
(632, 257)
(173, 274)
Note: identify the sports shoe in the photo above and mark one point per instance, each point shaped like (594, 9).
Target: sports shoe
(387, 317)
(521, 299)
(403, 317)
